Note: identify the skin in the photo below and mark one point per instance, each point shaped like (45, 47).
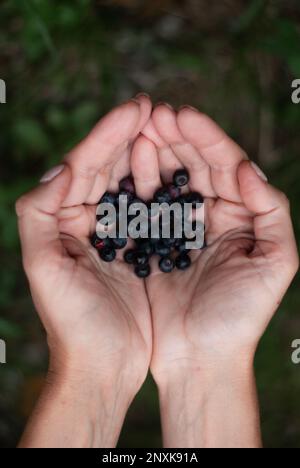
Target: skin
(215, 314)
(198, 330)
(98, 321)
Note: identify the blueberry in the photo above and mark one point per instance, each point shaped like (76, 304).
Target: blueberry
(107, 254)
(108, 198)
(142, 271)
(180, 246)
(183, 261)
(181, 178)
(146, 246)
(174, 191)
(170, 242)
(162, 195)
(141, 258)
(129, 257)
(127, 184)
(119, 243)
(100, 243)
(166, 265)
(161, 249)
(194, 198)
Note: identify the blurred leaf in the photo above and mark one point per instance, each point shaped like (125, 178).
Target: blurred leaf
(9, 329)
(30, 133)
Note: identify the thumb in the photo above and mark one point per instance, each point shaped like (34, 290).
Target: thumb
(38, 225)
(272, 220)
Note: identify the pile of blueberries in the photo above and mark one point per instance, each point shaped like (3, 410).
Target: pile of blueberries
(172, 252)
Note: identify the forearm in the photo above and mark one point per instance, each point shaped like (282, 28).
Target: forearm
(215, 408)
(77, 412)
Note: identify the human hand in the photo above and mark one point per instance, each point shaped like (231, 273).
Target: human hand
(96, 315)
(208, 321)
(222, 305)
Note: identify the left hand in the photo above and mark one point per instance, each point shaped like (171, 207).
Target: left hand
(221, 306)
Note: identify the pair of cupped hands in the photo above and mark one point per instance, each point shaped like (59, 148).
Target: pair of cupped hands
(107, 325)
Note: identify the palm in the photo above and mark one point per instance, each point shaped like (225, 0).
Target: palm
(107, 305)
(225, 300)
(99, 312)
(204, 308)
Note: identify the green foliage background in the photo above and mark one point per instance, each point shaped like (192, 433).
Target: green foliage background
(65, 64)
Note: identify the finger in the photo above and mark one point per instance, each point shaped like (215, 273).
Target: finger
(78, 222)
(98, 152)
(145, 169)
(121, 168)
(110, 180)
(152, 134)
(220, 152)
(165, 121)
(272, 221)
(145, 111)
(38, 225)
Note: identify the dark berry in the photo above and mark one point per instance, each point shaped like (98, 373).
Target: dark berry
(128, 185)
(141, 258)
(166, 265)
(170, 242)
(108, 198)
(162, 195)
(183, 261)
(174, 191)
(119, 243)
(194, 198)
(100, 243)
(129, 257)
(146, 246)
(142, 271)
(180, 246)
(107, 254)
(161, 249)
(181, 178)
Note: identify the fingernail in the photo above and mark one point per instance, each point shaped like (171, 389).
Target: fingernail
(186, 106)
(133, 100)
(259, 172)
(52, 173)
(161, 103)
(142, 95)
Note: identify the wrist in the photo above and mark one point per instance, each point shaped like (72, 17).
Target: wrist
(88, 414)
(205, 371)
(211, 407)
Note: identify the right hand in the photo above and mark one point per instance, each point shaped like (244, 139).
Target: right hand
(96, 315)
